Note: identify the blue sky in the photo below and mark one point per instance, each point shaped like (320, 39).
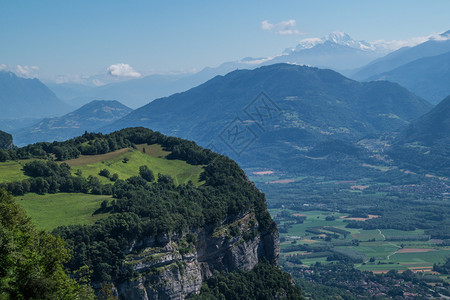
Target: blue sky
(86, 37)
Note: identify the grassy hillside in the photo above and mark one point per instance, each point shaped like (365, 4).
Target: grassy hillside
(154, 158)
(52, 210)
(12, 170)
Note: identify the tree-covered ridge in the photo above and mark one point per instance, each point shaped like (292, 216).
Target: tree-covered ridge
(31, 262)
(97, 143)
(264, 282)
(143, 206)
(423, 145)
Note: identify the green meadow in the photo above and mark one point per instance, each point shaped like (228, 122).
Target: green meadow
(152, 156)
(52, 210)
(12, 171)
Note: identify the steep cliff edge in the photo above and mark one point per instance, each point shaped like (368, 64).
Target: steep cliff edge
(175, 267)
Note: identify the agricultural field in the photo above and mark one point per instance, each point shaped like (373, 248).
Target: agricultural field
(52, 210)
(318, 236)
(126, 163)
(271, 177)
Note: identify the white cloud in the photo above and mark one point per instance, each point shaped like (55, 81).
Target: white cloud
(282, 28)
(26, 71)
(3, 67)
(122, 70)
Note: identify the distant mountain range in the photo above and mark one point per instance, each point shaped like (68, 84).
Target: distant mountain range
(89, 118)
(428, 77)
(27, 98)
(10, 125)
(134, 93)
(424, 145)
(300, 107)
(435, 46)
(337, 51)
(432, 128)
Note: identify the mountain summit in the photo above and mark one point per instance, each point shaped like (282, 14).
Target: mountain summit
(89, 117)
(340, 38)
(22, 98)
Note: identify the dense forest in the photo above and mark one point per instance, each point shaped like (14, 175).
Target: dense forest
(264, 282)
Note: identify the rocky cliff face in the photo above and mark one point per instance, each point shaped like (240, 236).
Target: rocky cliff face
(174, 266)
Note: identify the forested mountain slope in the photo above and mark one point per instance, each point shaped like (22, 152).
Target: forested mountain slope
(157, 238)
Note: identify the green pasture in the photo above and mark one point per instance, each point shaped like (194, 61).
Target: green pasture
(154, 158)
(364, 235)
(378, 249)
(12, 171)
(419, 258)
(394, 232)
(52, 210)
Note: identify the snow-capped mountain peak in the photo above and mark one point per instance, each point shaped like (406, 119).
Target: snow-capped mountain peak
(340, 38)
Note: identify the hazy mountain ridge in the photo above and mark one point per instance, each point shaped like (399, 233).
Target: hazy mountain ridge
(423, 145)
(134, 92)
(336, 51)
(22, 98)
(89, 117)
(313, 105)
(432, 47)
(428, 77)
(431, 128)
